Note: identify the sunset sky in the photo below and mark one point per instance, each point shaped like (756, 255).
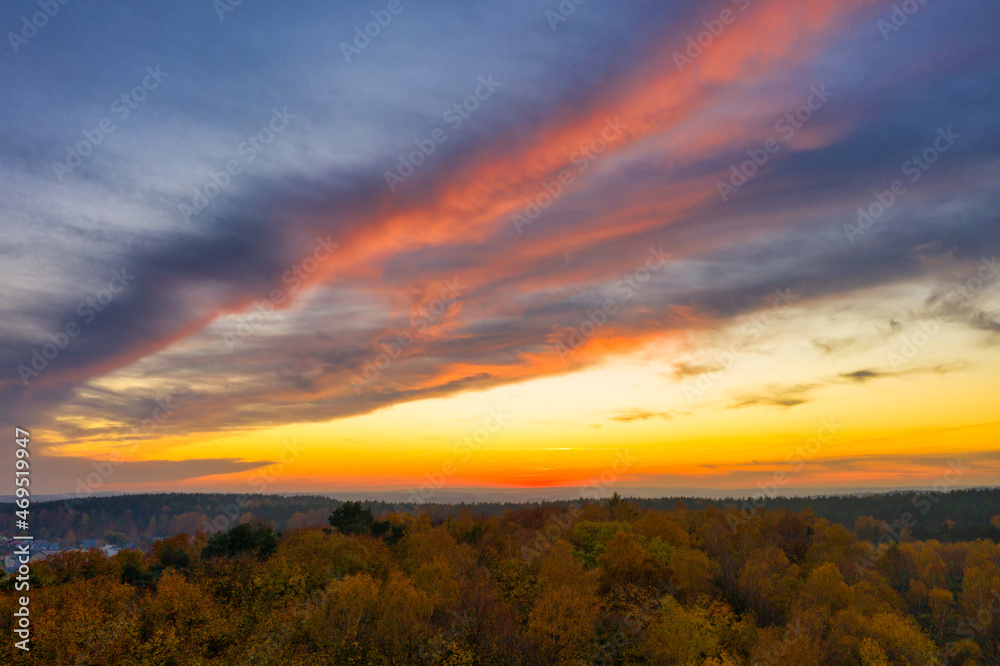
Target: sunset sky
(501, 245)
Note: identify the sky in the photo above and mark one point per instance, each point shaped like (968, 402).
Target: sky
(423, 246)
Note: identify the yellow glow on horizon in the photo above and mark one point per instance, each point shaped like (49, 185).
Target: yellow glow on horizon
(564, 429)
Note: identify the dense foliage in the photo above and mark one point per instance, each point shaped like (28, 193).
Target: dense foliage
(140, 519)
(353, 518)
(597, 583)
(242, 540)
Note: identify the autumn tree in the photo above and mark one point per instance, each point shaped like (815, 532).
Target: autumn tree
(564, 614)
(767, 584)
(243, 539)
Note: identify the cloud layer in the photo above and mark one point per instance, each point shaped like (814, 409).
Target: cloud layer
(593, 192)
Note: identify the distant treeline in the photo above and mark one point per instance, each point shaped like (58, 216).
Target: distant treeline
(959, 515)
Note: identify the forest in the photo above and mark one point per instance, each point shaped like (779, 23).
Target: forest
(142, 519)
(600, 582)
